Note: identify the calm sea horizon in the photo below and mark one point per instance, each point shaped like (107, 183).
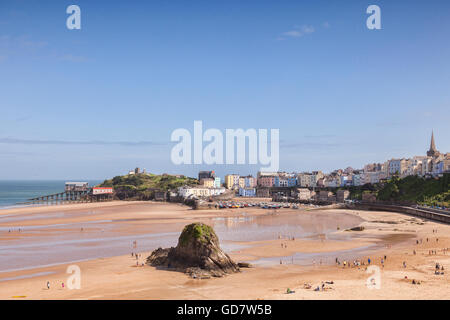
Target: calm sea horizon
(13, 192)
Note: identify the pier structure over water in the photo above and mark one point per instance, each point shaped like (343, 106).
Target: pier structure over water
(75, 192)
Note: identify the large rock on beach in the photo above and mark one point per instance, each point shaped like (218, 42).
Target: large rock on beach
(197, 253)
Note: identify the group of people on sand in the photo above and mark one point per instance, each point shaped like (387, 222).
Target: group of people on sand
(358, 263)
(323, 287)
(288, 237)
(137, 256)
(48, 285)
(438, 269)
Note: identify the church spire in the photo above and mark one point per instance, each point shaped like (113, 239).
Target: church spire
(432, 145)
(433, 152)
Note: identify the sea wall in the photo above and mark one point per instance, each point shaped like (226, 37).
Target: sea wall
(417, 212)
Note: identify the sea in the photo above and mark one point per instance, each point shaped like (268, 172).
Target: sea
(14, 193)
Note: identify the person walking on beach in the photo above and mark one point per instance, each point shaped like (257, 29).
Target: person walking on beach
(368, 261)
(48, 285)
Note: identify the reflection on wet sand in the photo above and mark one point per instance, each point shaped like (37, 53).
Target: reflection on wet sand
(44, 243)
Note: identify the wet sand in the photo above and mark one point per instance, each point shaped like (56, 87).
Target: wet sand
(53, 239)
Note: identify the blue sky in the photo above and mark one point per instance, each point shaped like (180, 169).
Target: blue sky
(96, 102)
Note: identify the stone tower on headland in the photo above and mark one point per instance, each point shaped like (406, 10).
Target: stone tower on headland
(433, 152)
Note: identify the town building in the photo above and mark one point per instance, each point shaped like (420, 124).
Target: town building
(207, 182)
(303, 194)
(309, 180)
(206, 175)
(358, 180)
(247, 192)
(247, 182)
(76, 186)
(342, 195)
(263, 192)
(199, 192)
(332, 181)
(232, 181)
(325, 195)
(304, 180)
(266, 181)
(345, 180)
(315, 177)
(217, 182)
(397, 167)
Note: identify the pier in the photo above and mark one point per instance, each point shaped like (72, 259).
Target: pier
(75, 192)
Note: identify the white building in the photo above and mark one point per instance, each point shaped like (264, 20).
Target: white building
(332, 182)
(305, 180)
(303, 194)
(217, 182)
(358, 179)
(199, 192)
(397, 166)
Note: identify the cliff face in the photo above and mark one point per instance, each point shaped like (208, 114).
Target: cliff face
(198, 254)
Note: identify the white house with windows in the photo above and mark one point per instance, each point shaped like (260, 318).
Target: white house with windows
(199, 192)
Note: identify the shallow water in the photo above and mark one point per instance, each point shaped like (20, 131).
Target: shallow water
(27, 276)
(268, 227)
(51, 244)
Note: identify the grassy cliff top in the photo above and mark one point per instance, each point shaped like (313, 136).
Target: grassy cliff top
(146, 181)
(434, 191)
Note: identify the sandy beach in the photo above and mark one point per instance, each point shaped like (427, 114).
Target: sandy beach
(295, 249)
